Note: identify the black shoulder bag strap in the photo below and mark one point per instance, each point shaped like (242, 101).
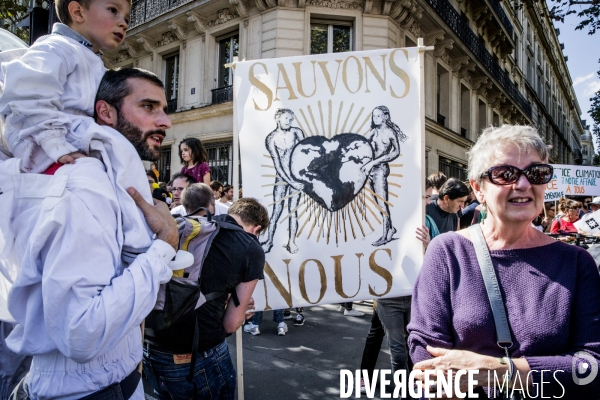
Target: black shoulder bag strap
(493, 291)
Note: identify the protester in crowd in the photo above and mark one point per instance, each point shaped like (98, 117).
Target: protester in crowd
(152, 180)
(226, 196)
(155, 170)
(467, 213)
(180, 182)
(217, 188)
(377, 332)
(437, 179)
(234, 264)
(79, 299)
(299, 320)
(443, 211)
(347, 309)
(594, 205)
(550, 290)
(195, 160)
(570, 214)
(253, 327)
(548, 216)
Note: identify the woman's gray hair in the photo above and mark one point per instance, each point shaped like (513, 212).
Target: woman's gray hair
(494, 140)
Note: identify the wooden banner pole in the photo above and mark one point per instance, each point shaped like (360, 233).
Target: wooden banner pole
(239, 349)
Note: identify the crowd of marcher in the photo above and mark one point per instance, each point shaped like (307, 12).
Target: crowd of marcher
(117, 276)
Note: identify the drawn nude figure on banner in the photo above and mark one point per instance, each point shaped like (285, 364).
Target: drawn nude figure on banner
(385, 138)
(280, 143)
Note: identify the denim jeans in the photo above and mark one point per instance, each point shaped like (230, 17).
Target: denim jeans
(258, 316)
(394, 314)
(214, 375)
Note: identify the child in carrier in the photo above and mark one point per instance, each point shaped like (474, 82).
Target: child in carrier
(47, 98)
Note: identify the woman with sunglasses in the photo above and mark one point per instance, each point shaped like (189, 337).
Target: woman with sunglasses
(550, 290)
(569, 210)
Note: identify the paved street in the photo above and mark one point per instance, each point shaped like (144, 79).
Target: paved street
(305, 363)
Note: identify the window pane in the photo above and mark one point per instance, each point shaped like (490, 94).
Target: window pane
(341, 38)
(172, 77)
(228, 48)
(318, 39)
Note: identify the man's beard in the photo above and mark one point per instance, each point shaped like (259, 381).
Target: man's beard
(139, 139)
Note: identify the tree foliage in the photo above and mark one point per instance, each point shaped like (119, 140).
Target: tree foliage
(588, 12)
(14, 11)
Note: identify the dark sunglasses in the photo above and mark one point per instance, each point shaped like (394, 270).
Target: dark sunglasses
(536, 174)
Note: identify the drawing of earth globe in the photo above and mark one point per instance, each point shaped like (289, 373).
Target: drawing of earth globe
(330, 169)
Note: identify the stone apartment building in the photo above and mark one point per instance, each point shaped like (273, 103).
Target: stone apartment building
(494, 62)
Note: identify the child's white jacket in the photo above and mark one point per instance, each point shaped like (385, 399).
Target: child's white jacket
(47, 96)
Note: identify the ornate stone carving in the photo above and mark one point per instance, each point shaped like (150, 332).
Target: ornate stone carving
(177, 30)
(145, 44)
(271, 3)
(335, 4)
(458, 63)
(387, 7)
(130, 49)
(432, 38)
(465, 71)
(507, 110)
(441, 48)
(199, 23)
(481, 85)
(246, 23)
(241, 7)
(368, 8)
(415, 29)
(223, 15)
(123, 56)
(167, 37)
(301, 3)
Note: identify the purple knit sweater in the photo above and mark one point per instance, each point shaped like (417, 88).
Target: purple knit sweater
(552, 298)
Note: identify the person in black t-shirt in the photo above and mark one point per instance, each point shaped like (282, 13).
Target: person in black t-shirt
(234, 264)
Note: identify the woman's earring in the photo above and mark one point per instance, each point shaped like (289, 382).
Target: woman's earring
(484, 211)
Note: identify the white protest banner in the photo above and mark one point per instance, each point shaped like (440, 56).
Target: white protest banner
(331, 145)
(573, 180)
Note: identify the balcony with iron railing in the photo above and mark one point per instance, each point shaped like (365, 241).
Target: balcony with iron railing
(222, 95)
(146, 10)
(502, 16)
(460, 27)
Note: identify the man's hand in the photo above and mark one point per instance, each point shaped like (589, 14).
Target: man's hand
(158, 217)
(250, 309)
(71, 157)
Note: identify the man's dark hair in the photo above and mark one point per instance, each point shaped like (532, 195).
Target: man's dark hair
(216, 185)
(114, 86)
(437, 179)
(251, 212)
(197, 195)
(428, 184)
(453, 188)
(190, 179)
(226, 189)
(62, 9)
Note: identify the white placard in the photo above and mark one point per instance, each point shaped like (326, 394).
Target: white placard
(331, 145)
(573, 180)
(589, 223)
